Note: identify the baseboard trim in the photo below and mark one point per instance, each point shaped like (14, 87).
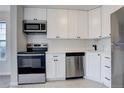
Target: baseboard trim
(90, 78)
(54, 79)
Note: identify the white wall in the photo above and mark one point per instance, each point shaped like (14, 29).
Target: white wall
(13, 25)
(63, 44)
(4, 16)
(21, 37)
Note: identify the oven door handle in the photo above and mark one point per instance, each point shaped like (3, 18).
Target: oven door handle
(31, 54)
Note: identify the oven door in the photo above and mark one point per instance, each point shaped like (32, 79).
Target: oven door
(31, 63)
(32, 27)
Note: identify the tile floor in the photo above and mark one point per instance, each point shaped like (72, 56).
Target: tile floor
(73, 83)
(4, 81)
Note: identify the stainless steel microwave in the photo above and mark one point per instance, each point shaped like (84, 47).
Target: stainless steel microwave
(34, 26)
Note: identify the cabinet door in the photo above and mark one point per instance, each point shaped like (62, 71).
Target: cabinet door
(107, 10)
(95, 23)
(106, 25)
(77, 24)
(34, 13)
(60, 67)
(56, 23)
(50, 67)
(93, 66)
(82, 31)
(72, 23)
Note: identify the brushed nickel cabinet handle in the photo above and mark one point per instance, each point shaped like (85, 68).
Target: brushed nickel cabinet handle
(57, 37)
(98, 54)
(55, 56)
(107, 78)
(78, 37)
(107, 66)
(107, 57)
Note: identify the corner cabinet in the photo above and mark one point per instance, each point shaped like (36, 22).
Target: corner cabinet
(95, 23)
(92, 66)
(107, 10)
(55, 64)
(56, 23)
(34, 14)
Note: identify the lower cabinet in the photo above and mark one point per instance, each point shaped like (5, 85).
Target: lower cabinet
(106, 70)
(55, 66)
(98, 67)
(92, 66)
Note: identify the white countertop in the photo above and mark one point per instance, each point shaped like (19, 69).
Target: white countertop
(65, 51)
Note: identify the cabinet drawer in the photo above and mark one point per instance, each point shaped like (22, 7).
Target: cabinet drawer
(49, 58)
(107, 81)
(107, 72)
(107, 63)
(55, 57)
(107, 58)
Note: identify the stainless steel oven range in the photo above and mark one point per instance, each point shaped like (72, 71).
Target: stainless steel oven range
(31, 64)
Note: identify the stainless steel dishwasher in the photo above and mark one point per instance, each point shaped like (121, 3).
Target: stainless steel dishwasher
(74, 65)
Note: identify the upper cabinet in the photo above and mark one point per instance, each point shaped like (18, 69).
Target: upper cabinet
(82, 25)
(57, 23)
(107, 10)
(95, 23)
(34, 14)
(77, 24)
(68, 24)
(106, 22)
(72, 23)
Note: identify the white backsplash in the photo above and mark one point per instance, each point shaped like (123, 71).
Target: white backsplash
(70, 44)
(35, 38)
(105, 44)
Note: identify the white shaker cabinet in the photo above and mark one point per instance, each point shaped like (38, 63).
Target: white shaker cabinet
(95, 23)
(56, 23)
(55, 66)
(82, 31)
(107, 10)
(34, 13)
(72, 23)
(92, 66)
(50, 67)
(77, 24)
(106, 24)
(60, 67)
(106, 69)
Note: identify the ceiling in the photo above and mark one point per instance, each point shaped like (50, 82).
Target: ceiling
(75, 7)
(119, 14)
